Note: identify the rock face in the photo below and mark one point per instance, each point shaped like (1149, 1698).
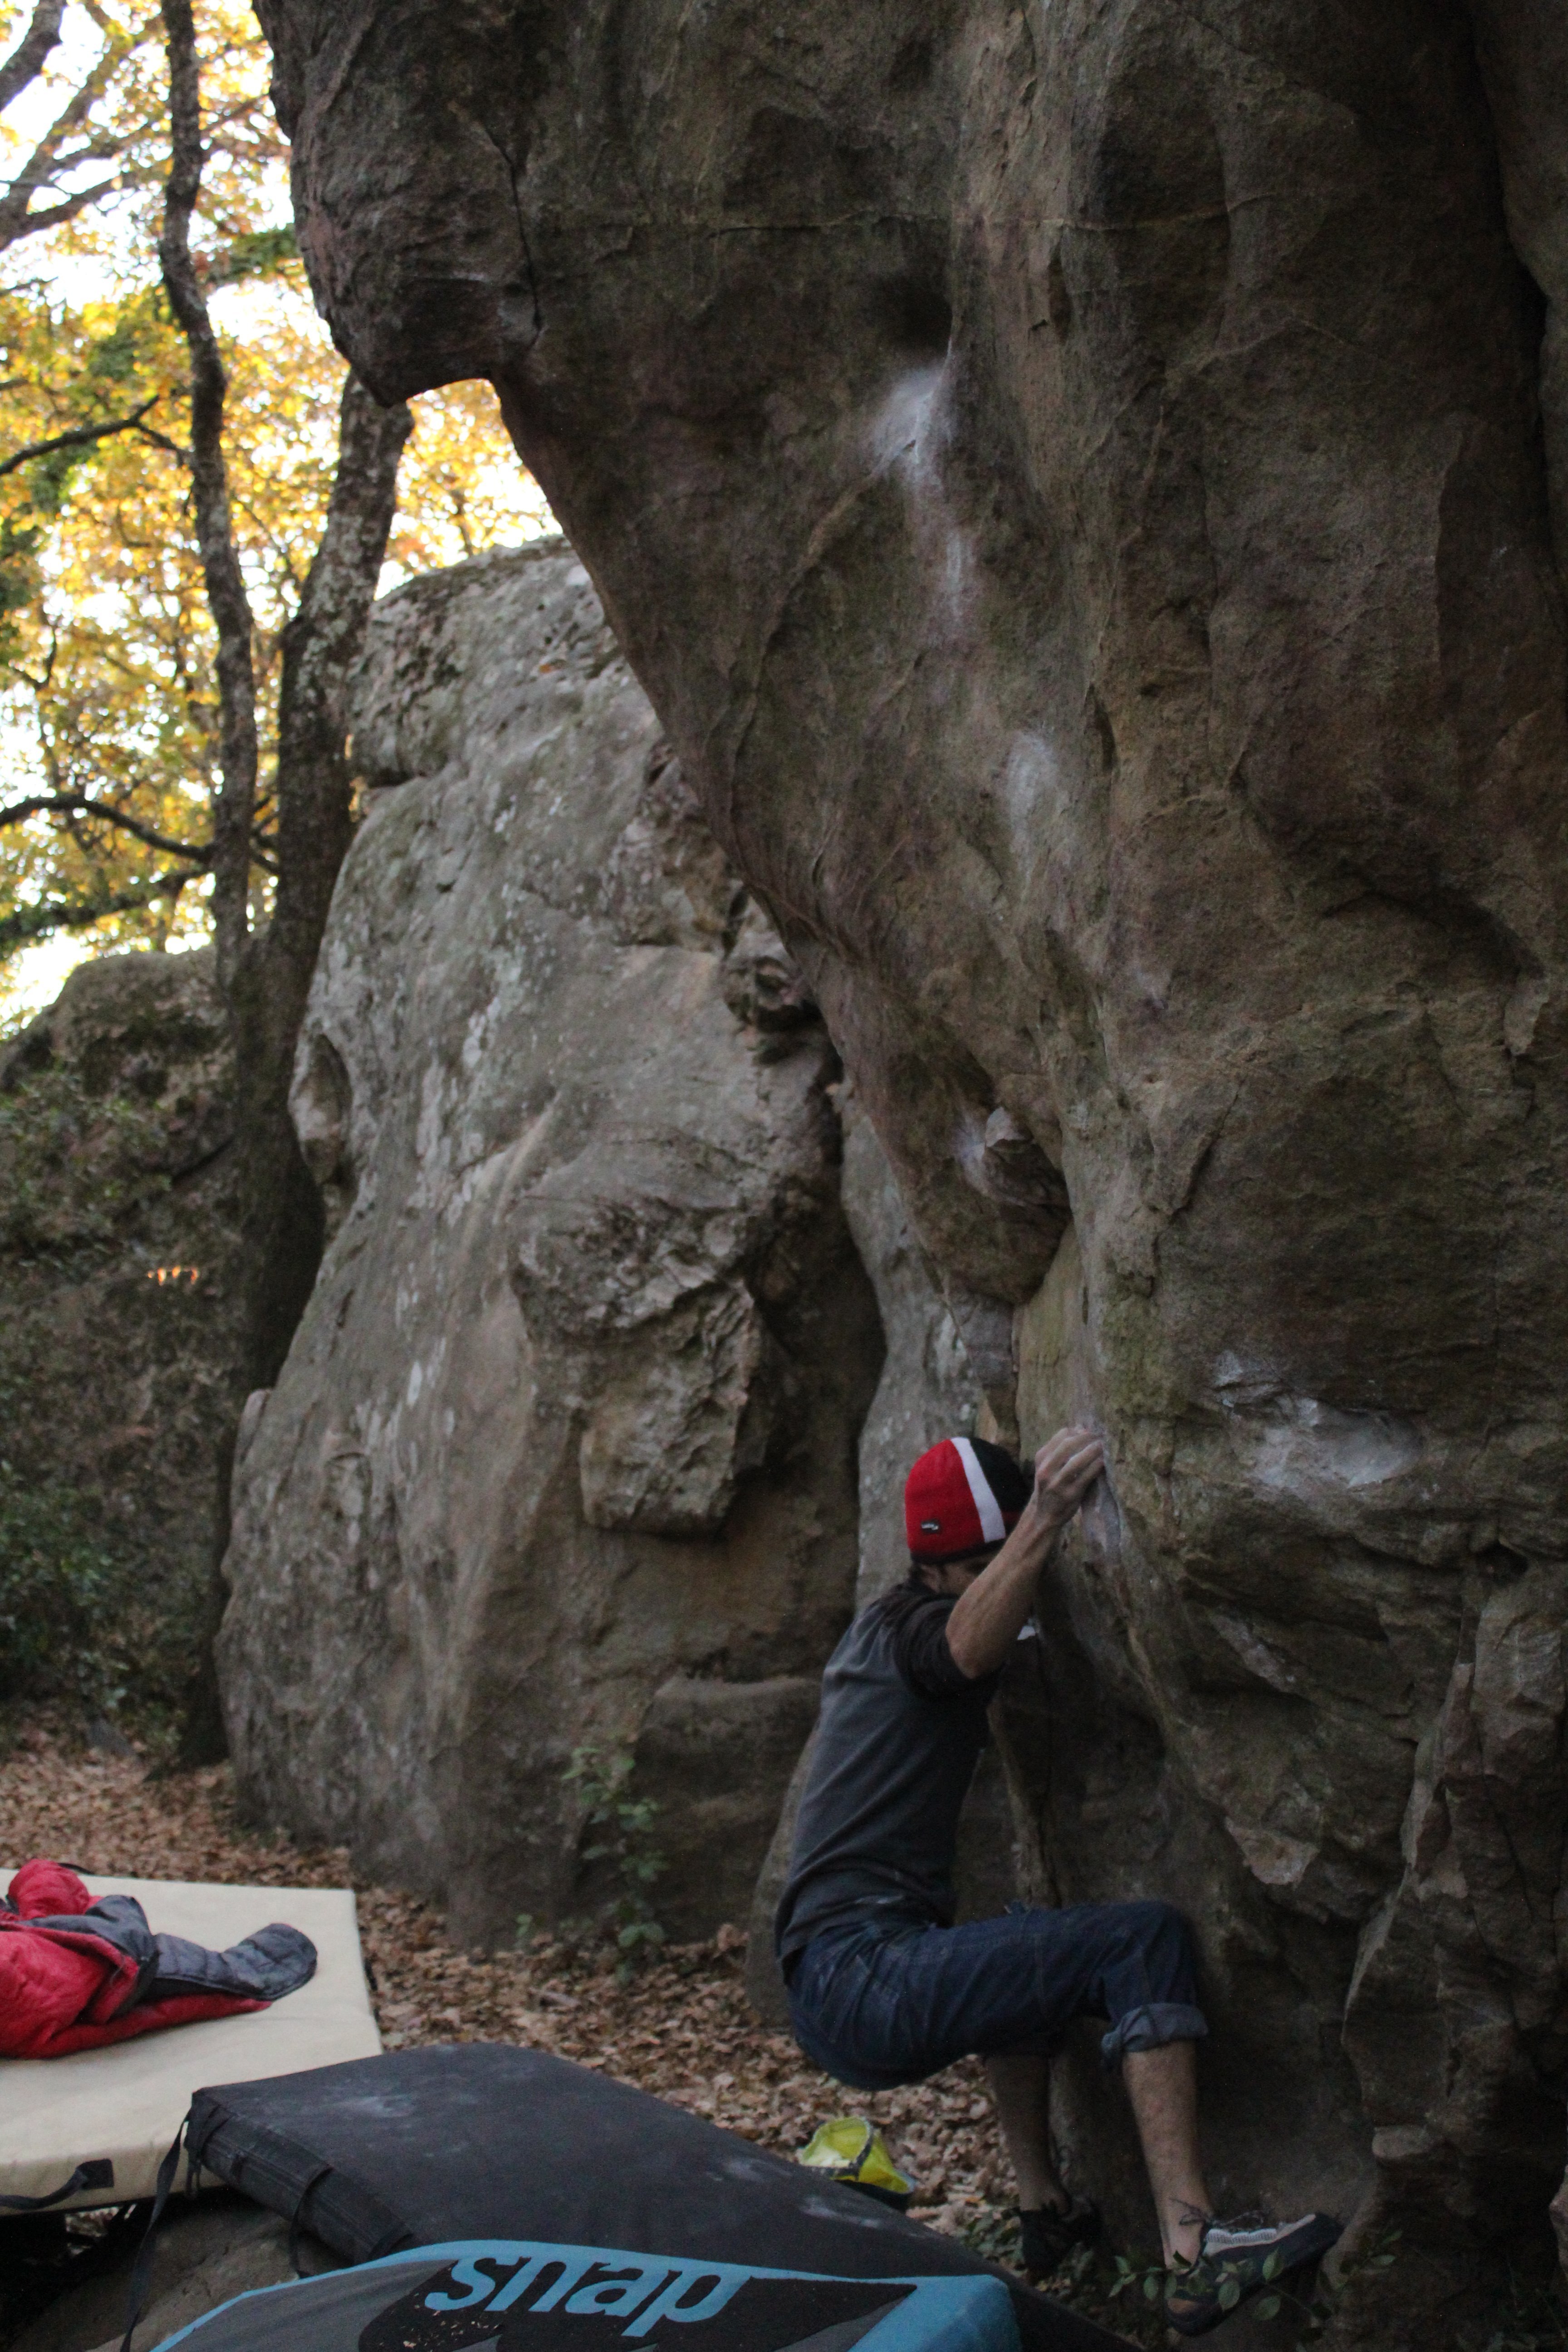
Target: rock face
(119, 1312)
(1078, 488)
(564, 1453)
(928, 1388)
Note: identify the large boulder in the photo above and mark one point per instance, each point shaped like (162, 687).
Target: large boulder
(1076, 484)
(563, 1454)
(118, 1332)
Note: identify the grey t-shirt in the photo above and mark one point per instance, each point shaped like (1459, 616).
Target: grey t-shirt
(897, 1740)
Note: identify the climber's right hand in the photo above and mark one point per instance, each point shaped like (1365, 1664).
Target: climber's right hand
(1066, 1467)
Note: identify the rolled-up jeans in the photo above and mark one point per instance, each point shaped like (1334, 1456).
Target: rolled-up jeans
(879, 2005)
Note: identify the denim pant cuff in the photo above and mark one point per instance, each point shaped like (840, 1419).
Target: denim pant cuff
(1150, 2028)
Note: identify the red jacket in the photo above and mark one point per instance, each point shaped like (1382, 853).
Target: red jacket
(75, 1974)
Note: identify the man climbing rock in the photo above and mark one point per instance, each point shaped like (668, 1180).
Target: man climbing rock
(885, 1989)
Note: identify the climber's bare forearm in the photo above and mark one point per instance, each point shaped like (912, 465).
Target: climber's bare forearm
(987, 1619)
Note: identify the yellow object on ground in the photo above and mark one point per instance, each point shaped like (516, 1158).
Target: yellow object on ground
(849, 2148)
(128, 2101)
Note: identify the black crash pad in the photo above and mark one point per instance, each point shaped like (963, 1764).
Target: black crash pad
(425, 2147)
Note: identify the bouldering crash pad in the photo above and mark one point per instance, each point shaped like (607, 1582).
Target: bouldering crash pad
(124, 2105)
(531, 2296)
(483, 2140)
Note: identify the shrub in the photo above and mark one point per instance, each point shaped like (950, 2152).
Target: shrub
(74, 1168)
(84, 1615)
(61, 1586)
(622, 1827)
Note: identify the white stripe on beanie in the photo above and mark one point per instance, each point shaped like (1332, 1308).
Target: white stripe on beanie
(984, 1501)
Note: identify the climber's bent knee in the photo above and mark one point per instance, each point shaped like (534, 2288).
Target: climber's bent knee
(880, 2006)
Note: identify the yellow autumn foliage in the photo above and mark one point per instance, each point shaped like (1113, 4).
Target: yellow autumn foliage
(106, 647)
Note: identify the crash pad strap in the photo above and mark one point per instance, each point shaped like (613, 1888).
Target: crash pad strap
(97, 2174)
(141, 2269)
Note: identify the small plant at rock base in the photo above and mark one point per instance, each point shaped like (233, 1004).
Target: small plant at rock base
(1093, 2281)
(625, 1840)
(1312, 2319)
(993, 2234)
(1147, 2279)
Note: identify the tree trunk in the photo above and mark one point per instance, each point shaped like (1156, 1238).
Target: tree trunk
(235, 808)
(281, 1209)
(265, 974)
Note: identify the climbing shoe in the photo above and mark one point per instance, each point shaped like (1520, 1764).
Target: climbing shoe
(1050, 2236)
(1238, 2259)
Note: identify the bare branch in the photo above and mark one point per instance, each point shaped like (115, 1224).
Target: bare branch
(26, 62)
(15, 223)
(75, 111)
(226, 599)
(77, 914)
(46, 162)
(78, 437)
(162, 441)
(83, 804)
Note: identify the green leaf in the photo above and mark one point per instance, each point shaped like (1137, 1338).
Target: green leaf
(260, 254)
(1271, 2267)
(1267, 2307)
(1152, 2284)
(1230, 2295)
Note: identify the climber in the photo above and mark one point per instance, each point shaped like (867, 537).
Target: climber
(884, 1990)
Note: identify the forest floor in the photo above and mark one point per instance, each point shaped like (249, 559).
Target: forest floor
(680, 2028)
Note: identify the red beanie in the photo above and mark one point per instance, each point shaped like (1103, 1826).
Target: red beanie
(960, 1497)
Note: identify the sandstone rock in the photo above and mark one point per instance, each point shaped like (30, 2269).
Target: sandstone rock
(1074, 487)
(720, 1757)
(206, 2253)
(928, 1389)
(119, 1315)
(563, 1453)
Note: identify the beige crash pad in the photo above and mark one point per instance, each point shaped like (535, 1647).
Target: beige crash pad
(126, 2102)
